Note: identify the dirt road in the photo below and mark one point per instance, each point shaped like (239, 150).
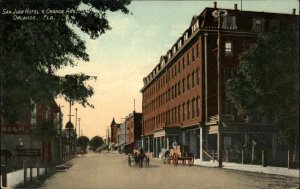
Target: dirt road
(111, 171)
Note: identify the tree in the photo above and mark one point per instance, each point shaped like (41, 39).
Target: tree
(32, 50)
(83, 142)
(267, 83)
(96, 142)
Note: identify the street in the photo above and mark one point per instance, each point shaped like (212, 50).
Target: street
(109, 170)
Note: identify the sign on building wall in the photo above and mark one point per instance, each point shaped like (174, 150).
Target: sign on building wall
(15, 129)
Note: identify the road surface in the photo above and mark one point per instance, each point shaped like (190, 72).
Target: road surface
(109, 170)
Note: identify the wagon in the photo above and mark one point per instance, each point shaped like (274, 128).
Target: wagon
(138, 159)
(177, 156)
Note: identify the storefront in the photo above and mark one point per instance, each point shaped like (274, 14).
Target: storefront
(165, 138)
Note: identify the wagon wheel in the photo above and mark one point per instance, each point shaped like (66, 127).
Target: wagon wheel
(175, 159)
(192, 161)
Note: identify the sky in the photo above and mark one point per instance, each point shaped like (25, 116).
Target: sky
(121, 57)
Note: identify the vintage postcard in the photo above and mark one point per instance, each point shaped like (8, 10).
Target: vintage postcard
(140, 94)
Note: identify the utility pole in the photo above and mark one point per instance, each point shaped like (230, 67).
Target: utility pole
(79, 127)
(76, 121)
(75, 140)
(69, 126)
(219, 14)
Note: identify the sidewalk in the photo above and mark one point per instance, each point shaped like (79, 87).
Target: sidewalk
(251, 168)
(16, 177)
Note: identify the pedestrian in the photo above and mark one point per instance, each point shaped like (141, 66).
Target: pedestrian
(141, 156)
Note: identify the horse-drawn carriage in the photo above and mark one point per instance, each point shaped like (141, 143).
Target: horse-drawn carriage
(138, 158)
(178, 155)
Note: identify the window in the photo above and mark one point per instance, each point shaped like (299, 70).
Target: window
(198, 76)
(175, 90)
(172, 73)
(228, 49)
(175, 117)
(193, 57)
(197, 106)
(188, 58)
(172, 112)
(178, 67)
(173, 96)
(229, 22)
(183, 64)
(188, 82)
(178, 88)
(178, 115)
(183, 111)
(195, 26)
(179, 44)
(186, 36)
(197, 50)
(257, 24)
(33, 113)
(175, 69)
(162, 63)
(193, 108)
(188, 109)
(183, 85)
(193, 79)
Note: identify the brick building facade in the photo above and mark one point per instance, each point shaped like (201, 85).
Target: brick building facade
(134, 130)
(180, 101)
(114, 132)
(23, 135)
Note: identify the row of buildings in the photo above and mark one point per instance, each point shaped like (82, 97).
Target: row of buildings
(181, 94)
(38, 137)
(126, 136)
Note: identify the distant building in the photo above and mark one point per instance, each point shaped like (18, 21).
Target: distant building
(121, 135)
(133, 131)
(114, 133)
(180, 101)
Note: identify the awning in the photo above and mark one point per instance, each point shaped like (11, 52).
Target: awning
(168, 131)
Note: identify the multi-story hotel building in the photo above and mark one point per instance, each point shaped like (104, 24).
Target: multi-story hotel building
(180, 101)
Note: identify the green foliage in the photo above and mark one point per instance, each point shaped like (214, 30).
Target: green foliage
(83, 142)
(96, 142)
(33, 50)
(267, 82)
(73, 88)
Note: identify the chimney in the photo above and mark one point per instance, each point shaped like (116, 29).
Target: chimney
(235, 6)
(294, 11)
(215, 5)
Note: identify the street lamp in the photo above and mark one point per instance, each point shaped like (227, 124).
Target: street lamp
(219, 14)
